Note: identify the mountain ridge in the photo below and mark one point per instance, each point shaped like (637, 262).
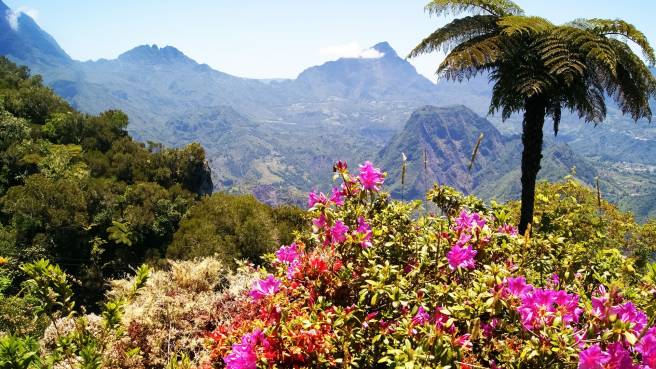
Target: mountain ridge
(278, 138)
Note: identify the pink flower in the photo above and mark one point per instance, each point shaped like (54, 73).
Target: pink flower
(314, 198)
(338, 232)
(242, 355)
(265, 287)
(365, 231)
(593, 358)
(468, 221)
(370, 178)
(464, 341)
(488, 328)
(287, 254)
(567, 306)
(337, 196)
(461, 257)
(628, 313)
(320, 222)
(600, 306)
(517, 286)
(620, 358)
(421, 317)
(647, 348)
(541, 306)
(508, 229)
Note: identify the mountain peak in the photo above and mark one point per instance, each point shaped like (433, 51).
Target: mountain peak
(22, 39)
(385, 48)
(153, 54)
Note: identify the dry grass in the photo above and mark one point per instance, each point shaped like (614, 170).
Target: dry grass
(169, 315)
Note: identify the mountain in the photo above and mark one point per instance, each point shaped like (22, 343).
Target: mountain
(279, 138)
(448, 136)
(27, 43)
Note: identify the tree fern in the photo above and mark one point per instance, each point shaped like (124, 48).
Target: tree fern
(538, 68)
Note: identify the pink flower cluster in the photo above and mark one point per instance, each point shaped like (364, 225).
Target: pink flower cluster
(265, 287)
(540, 307)
(467, 222)
(242, 355)
(462, 254)
(289, 255)
(370, 178)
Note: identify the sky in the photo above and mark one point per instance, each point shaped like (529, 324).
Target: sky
(276, 39)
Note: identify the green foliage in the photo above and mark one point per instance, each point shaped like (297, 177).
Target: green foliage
(76, 190)
(18, 353)
(50, 286)
(233, 227)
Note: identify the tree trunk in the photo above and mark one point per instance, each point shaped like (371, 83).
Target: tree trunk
(534, 114)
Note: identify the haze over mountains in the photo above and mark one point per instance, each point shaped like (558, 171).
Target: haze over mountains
(279, 138)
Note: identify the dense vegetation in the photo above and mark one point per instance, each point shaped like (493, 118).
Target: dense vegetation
(377, 283)
(76, 190)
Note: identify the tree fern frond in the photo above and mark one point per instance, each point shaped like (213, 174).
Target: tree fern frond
(617, 27)
(470, 58)
(455, 7)
(518, 24)
(458, 31)
(634, 84)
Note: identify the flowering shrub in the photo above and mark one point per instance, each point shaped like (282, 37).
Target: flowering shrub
(376, 283)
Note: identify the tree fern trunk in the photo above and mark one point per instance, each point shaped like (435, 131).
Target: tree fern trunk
(531, 157)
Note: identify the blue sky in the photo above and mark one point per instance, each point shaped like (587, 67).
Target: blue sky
(276, 39)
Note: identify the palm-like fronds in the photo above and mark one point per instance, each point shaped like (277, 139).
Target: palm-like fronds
(497, 8)
(540, 69)
(573, 66)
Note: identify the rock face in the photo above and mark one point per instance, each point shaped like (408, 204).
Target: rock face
(23, 39)
(448, 135)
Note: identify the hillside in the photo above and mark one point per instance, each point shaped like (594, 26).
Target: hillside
(349, 109)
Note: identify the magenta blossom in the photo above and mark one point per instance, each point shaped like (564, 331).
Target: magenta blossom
(517, 286)
(540, 307)
(320, 222)
(461, 257)
(265, 287)
(468, 221)
(337, 196)
(338, 232)
(620, 358)
(365, 231)
(371, 178)
(508, 229)
(242, 355)
(600, 304)
(647, 348)
(593, 358)
(628, 313)
(287, 254)
(421, 317)
(316, 198)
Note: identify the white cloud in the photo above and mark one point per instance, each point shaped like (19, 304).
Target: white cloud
(12, 19)
(13, 15)
(349, 50)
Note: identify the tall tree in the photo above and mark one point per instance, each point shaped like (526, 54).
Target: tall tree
(538, 68)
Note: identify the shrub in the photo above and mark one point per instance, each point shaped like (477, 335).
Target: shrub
(169, 315)
(232, 227)
(371, 285)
